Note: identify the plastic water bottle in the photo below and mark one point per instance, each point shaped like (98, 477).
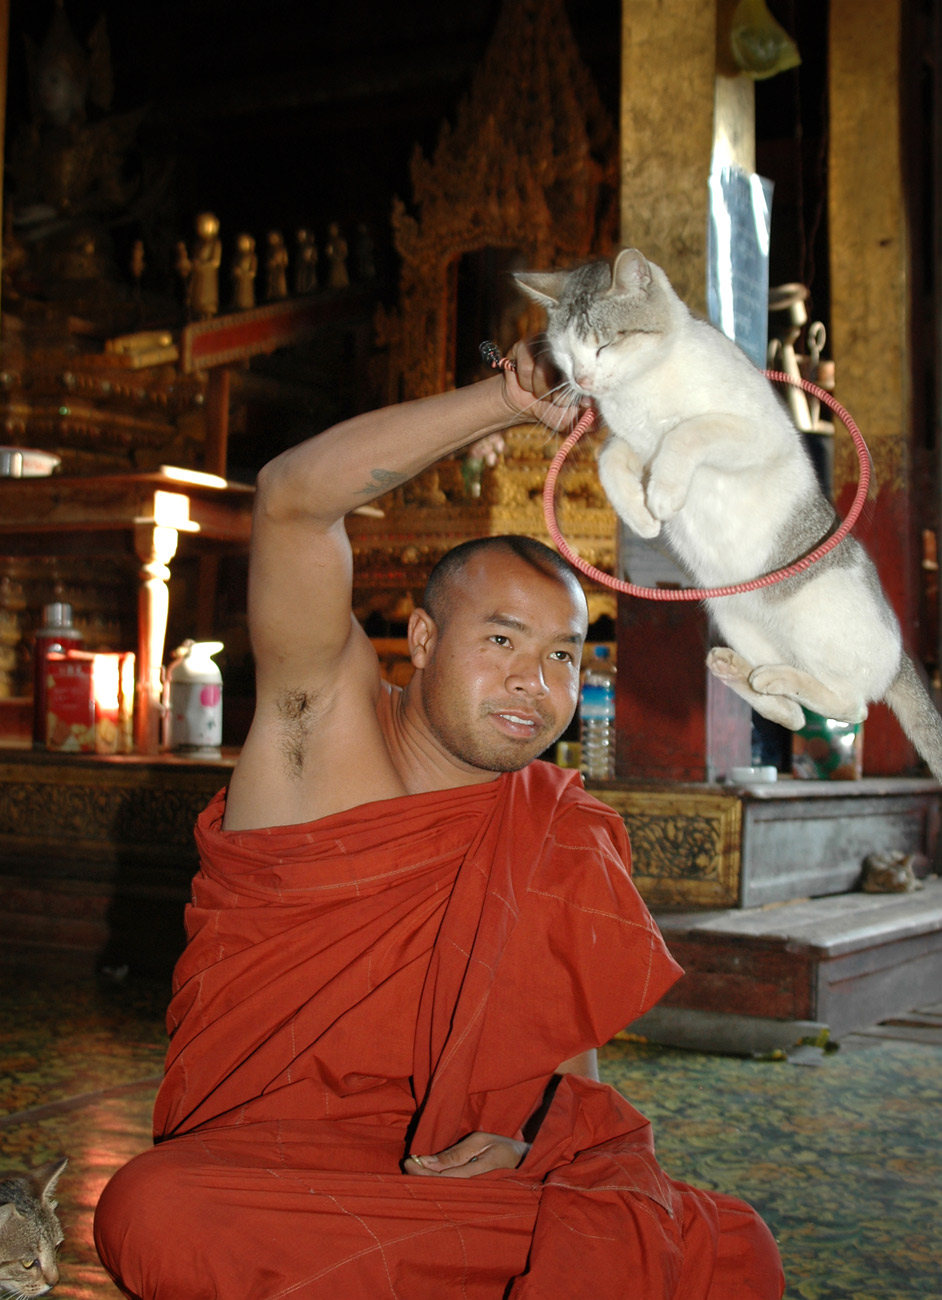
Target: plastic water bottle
(597, 717)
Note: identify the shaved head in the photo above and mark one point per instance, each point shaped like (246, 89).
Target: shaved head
(441, 588)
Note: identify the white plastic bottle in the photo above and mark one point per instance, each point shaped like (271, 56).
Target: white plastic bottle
(193, 700)
(597, 717)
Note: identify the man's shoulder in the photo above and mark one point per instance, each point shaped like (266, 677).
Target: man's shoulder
(564, 782)
(562, 790)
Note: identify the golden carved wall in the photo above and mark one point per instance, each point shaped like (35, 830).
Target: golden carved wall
(393, 553)
(531, 165)
(528, 172)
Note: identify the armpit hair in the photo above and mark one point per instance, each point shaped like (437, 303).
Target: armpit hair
(297, 710)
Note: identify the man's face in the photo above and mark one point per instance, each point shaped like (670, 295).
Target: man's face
(501, 682)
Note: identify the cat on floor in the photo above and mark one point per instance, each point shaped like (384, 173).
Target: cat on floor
(30, 1234)
(702, 453)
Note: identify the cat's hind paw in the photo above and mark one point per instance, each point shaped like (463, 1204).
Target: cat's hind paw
(740, 676)
(727, 665)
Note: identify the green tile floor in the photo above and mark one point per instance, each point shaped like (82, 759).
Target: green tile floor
(842, 1153)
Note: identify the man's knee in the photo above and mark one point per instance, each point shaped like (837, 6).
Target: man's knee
(141, 1210)
(747, 1251)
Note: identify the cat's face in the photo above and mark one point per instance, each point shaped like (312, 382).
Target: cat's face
(28, 1253)
(604, 325)
(30, 1234)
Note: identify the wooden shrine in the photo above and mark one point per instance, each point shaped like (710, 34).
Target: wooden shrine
(525, 178)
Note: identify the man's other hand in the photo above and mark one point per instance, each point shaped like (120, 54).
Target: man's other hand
(478, 1153)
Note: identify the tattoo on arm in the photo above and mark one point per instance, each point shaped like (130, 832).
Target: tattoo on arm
(381, 480)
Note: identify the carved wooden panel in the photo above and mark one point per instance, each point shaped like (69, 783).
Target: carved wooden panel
(527, 177)
(113, 812)
(686, 844)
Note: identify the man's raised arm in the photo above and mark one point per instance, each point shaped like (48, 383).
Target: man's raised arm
(300, 574)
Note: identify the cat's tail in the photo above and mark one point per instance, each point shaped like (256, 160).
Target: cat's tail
(918, 716)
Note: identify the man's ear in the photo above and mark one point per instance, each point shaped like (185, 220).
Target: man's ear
(422, 634)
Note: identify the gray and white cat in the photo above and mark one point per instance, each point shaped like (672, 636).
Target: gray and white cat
(702, 453)
(30, 1235)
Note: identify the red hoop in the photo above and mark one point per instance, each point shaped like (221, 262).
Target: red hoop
(705, 593)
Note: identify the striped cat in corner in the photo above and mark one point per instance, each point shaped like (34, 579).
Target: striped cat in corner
(30, 1234)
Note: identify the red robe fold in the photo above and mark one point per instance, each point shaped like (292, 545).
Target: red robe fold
(389, 979)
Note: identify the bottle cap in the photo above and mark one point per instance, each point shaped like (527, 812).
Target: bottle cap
(601, 651)
(58, 614)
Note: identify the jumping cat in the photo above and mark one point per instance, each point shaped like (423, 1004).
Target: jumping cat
(30, 1235)
(703, 453)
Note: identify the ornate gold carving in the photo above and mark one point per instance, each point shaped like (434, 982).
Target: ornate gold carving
(686, 845)
(530, 164)
(426, 518)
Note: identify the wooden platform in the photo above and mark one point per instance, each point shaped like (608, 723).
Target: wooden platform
(762, 978)
(97, 855)
(718, 846)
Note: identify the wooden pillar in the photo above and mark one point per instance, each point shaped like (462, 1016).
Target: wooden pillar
(870, 310)
(156, 545)
(216, 447)
(668, 87)
(4, 65)
(674, 721)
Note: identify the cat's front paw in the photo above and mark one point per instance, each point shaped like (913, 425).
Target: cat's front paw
(620, 483)
(639, 521)
(664, 498)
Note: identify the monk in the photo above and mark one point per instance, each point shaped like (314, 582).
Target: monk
(407, 937)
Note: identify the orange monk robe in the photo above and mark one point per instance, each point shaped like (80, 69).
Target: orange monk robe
(390, 979)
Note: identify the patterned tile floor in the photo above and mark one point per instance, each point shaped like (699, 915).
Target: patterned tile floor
(79, 1065)
(840, 1150)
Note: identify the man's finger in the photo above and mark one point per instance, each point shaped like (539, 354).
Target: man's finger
(545, 376)
(417, 1167)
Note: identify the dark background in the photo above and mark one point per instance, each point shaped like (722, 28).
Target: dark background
(286, 113)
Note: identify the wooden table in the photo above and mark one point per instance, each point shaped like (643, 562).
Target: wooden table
(152, 509)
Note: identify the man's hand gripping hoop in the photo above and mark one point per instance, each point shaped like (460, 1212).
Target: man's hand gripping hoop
(490, 354)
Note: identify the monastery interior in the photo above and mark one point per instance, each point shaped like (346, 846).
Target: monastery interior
(409, 157)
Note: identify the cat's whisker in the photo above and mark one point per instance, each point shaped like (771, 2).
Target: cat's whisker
(540, 346)
(569, 401)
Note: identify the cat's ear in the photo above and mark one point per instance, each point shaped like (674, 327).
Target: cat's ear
(46, 1177)
(631, 271)
(544, 287)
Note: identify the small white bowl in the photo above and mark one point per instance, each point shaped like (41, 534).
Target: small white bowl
(27, 462)
(748, 775)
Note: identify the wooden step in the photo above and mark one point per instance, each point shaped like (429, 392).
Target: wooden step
(845, 962)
